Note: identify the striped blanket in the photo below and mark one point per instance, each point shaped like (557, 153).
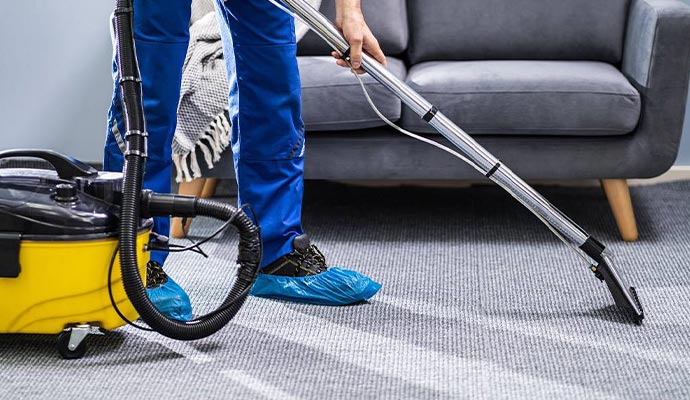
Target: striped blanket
(203, 123)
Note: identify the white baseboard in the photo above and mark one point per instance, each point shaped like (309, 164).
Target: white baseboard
(676, 173)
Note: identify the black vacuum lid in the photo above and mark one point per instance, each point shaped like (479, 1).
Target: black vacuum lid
(38, 202)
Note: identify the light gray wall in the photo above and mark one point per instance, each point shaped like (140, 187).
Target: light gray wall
(55, 77)
(684, 153)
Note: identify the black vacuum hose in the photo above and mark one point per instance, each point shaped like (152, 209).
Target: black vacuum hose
(130, 214)
(249, 258)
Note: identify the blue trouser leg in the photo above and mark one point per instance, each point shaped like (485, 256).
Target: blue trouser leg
(267, 128)
(268, 146)
(161, 31)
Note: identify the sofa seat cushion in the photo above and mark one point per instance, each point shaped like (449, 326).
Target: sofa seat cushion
(332, 98)
(571, 98)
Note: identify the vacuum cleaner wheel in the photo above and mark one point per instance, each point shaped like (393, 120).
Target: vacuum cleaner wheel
(63, 347)
(71, 343)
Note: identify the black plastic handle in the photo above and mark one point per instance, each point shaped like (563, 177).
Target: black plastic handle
(66, 167)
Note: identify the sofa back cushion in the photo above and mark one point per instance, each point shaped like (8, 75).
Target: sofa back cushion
(517, 29)
(386, 18)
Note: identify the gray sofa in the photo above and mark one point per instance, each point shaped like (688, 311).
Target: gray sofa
(557, 89)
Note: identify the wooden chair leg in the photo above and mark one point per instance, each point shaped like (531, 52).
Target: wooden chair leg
(618, 195)
(193, 188)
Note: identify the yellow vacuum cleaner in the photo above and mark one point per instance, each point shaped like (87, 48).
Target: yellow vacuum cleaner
(59, 241)
(63, 232)
(58, 237)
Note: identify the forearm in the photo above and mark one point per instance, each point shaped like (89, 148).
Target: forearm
(345, 7)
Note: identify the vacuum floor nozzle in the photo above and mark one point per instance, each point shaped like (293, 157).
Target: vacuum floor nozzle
(626, 298)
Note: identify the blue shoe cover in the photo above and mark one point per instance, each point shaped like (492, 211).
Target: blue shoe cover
(335, 287)
(170, 299)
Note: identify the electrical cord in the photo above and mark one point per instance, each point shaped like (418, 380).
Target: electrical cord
(196, 246)
(112, 299)
(468, 161)
(176, 248)
(186, 234)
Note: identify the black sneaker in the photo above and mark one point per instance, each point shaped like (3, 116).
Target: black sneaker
(155, 276)
(305, 260)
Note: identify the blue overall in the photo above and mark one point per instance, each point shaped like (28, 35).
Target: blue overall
(265, 107)
(267, 135)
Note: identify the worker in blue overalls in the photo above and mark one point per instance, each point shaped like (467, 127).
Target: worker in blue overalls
(267, 138)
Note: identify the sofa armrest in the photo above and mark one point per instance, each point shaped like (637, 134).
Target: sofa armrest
(657, 44)
(656, 60)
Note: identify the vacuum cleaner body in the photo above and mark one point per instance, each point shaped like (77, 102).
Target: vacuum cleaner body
(60, 244)
(58, 238)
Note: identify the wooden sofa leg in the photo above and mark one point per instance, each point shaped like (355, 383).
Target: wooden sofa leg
(193, 188)
(209, 188)
(618, 195)
(203, 187)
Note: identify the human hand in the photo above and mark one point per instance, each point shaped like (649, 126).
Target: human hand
(350, 21)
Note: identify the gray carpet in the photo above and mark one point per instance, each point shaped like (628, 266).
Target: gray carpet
(479, 300)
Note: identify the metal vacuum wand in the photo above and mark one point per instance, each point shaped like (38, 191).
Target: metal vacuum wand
(481, 159)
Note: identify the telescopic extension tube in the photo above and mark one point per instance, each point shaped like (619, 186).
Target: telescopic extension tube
(479, 158)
